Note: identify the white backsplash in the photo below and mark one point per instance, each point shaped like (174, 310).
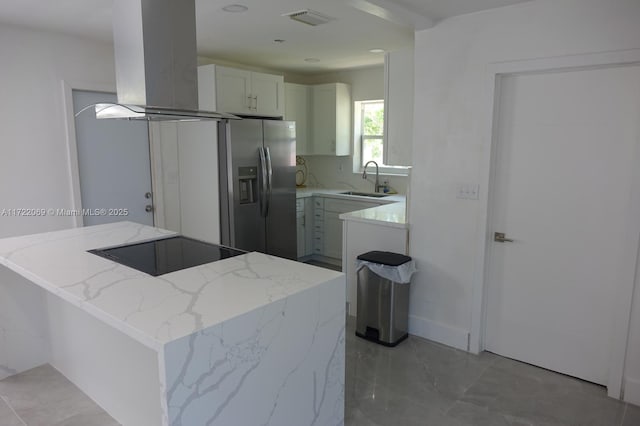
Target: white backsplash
(337, 173)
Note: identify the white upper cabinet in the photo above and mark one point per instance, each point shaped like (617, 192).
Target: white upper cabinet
(398, 107)
(241, 92)
(298, 109)
(233, 90)
(322, 114)
(207, 88)
(331, 119)
(267, 92)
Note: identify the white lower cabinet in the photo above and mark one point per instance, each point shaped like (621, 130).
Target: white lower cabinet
(328, 225)
(318, 226)
(304, 227)
(300, 227)
(333, 235)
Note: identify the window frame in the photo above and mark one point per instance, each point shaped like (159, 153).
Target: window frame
(358, 143)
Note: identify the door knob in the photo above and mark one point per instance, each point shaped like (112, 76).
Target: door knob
(500, 237)
(147, 195)
(148, 208)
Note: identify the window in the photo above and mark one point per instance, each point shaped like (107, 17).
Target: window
(369, 138)
(372, 121)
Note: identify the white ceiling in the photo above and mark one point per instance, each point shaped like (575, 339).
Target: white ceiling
(248, 37)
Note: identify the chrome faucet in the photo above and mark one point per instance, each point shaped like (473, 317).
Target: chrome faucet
(364, 175)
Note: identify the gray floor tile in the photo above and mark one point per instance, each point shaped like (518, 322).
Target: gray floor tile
(471, 414)
(422, 382)
(7, 416)
(631, 416)
(377, 404)
(542, 397)
(450, 370)
(44, 397)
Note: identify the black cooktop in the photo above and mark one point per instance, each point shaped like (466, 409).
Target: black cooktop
(166, 255)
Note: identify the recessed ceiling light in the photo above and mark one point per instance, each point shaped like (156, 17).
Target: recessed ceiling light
(235, 8)
(376, 50)
(313, 60)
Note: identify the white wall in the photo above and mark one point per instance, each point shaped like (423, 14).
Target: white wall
(337, 172)
(450, 69)
(34, 169)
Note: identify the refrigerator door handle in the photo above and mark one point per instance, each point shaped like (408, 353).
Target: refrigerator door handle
(269, 180)
(263, 182)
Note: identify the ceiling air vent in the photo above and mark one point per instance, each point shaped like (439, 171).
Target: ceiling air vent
(309, 17)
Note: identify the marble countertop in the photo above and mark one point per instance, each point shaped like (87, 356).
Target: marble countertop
(393, 215)
(152, 310)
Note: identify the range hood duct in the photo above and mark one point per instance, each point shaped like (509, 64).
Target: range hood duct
(156, 62)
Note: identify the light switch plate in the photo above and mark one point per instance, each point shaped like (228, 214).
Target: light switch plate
(468, 191)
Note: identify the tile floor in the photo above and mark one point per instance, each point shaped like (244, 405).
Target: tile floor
(423, 383)
(416, 383)
(44, 397)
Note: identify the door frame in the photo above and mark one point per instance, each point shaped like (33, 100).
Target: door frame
(68, 86)
(623, 299)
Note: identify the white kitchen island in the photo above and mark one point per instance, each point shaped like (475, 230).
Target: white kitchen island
(248, 340)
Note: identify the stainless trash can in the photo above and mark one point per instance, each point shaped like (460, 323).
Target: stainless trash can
(383, 297)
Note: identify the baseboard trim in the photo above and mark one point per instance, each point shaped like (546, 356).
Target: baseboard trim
(438, 332)
(632, 391)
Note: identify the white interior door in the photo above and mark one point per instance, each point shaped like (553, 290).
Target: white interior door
(114, 166)
(566, 150)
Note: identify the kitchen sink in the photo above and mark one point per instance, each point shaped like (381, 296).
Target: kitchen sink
(365, 194)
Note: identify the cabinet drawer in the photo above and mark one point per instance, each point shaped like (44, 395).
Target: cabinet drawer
(318, 243)
(318, 202)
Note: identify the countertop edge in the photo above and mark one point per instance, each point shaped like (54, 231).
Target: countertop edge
(98, 313)
(356, 216)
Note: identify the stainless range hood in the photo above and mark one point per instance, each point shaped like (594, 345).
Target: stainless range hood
(156, 62)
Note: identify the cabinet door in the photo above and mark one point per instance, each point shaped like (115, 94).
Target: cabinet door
(309, 227)
(324, 120)
(233, 90)
(207, 88)
(333, 224)
(300, 229)
(296, 109)
(332, 235)
(343, 117)
(398, 107)
(267, 92)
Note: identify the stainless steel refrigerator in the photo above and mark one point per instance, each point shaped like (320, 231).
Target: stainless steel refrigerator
(258, 185)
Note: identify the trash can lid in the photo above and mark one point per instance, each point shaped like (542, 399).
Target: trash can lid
(385, 258)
